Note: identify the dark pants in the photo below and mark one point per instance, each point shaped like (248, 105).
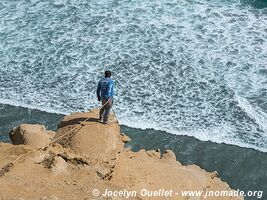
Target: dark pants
(105, 111)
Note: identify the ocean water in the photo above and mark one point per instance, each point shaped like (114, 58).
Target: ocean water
(12, 116)
(190, 73)
(188, 67)
(255, 3)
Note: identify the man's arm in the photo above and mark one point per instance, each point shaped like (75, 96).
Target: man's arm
(110, 89)
(98, 91)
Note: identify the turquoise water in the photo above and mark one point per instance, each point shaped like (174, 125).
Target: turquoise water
(195, 67)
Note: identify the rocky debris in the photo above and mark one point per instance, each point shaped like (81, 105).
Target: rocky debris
(125, 138)
(49, 198)
(59, 165)
(169, 156)
(51, 134)
(31, 134)
(213, 174)
(153, 153)
(57, 159)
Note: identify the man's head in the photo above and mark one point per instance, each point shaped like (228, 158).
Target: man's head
(107, 74)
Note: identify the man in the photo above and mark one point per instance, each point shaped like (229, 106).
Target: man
(105, 92)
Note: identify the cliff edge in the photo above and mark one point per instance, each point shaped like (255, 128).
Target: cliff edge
(89, 161)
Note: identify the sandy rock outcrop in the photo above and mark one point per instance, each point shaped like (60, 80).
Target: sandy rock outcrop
(93, 139)
(145, 171)
(31, 134)
(90, 159)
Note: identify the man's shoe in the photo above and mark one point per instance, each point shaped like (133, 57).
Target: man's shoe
(106, 123)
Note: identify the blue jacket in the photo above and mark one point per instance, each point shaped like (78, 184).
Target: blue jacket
(105, 88)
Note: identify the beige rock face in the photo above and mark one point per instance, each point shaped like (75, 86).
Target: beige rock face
(59, 165)
(146, 171)
(93, 139)
(93, 157)
(31, 134)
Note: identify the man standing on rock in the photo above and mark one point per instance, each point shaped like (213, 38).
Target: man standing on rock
(105, 92)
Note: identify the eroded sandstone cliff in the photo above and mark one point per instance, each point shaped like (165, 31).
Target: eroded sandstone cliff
(91, 161)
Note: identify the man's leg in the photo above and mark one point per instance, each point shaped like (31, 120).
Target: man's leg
(102, 110)
(107, 112)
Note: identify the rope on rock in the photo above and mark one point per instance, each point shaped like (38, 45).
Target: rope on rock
(8, 166)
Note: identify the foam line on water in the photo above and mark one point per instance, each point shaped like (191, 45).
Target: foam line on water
(18, 104)
(216, 134)
(254, 112)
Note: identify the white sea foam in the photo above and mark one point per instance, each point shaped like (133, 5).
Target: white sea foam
(254, 112)
(178, 65)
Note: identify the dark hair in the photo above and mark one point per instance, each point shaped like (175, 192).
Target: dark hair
(107, 74)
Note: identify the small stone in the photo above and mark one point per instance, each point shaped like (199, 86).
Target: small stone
(213, 174)
(125, 138)
(59, 165)
(169, 155)
(49, 198)
(53, 198)
(154, 154)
